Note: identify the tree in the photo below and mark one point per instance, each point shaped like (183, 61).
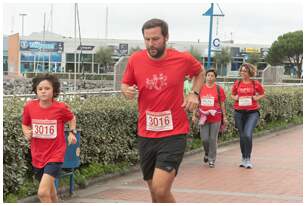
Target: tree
(195, 53)
(287, 47)
(104, 56)
(253, 58)
(223, 57)
(134, 49)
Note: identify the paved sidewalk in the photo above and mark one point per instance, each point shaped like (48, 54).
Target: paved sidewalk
(277, 176)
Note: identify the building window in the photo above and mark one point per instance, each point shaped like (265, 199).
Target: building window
(5, 64)
(26, 67)
(70, 67)
(85, 57)
(42, 67)
(55, 67)
(69, 57)
(236, 63)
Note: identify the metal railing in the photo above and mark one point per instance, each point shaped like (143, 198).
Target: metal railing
(85, 93)
(226, 86)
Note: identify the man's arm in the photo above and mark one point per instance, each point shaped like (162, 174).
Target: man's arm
(198, 81)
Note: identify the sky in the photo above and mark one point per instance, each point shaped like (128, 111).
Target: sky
(254, 23)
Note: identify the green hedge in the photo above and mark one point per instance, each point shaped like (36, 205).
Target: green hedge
(108, 127)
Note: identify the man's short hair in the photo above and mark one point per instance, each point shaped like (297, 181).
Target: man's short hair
(152, 23)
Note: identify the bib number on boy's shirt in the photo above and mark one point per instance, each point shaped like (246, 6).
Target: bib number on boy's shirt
(159, 121)
(245, 101)
(208, 101)
(44, 129)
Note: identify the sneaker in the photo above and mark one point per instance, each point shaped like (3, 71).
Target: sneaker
(211, 164)
(205, 159)
(248, 164)
(243, 163)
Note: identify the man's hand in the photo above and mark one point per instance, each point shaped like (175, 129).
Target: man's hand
(191, 102)
(129, 91)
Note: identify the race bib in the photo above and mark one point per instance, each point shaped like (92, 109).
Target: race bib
(245, 101)
(159, 121)
(207, 101)
(44, 129)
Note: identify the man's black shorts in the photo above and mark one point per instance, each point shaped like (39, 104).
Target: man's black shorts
(164, 153)
(52, 168)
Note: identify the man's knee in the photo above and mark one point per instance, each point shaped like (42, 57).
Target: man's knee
(44, 194)
(160, 193)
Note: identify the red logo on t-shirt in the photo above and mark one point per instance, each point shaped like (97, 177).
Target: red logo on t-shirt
(158, 82)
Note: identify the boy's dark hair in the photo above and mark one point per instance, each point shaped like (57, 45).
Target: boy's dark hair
(152, 23)
(211, 70)
(49, 77)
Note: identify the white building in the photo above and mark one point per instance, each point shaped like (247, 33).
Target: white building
(51, 52)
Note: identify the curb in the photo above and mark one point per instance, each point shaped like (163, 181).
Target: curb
(135, 168)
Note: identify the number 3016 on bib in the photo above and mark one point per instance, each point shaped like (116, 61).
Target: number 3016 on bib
(159, 121)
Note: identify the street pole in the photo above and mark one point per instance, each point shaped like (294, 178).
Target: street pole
(210, 34)
(210, 13)
(43, 50)
(106, 22)
(22, 22)
(75, 46)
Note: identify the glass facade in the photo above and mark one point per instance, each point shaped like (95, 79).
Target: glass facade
(40, 56)
(88, 63)
(40, 62)
(87, 58)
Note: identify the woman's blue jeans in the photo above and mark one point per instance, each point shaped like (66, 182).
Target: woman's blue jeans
(245, 123)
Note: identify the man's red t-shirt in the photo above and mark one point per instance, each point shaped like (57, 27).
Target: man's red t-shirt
(209, 101)
(48, 142)
(245, 92)
(160, 84)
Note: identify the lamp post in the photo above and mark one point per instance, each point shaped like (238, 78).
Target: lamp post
(22, 22)
(210, 13)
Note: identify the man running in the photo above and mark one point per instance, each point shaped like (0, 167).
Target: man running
(157, 74)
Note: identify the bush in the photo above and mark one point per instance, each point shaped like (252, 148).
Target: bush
(108, 135)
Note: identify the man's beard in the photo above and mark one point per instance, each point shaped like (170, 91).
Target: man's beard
(158, 54)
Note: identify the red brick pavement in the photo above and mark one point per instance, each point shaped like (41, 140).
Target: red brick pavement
(277, 176)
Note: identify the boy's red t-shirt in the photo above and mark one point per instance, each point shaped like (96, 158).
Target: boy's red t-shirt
(209, 101)
(48, 142)
(160, 84)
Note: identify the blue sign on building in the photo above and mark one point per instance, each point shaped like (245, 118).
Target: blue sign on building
(46, 46)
